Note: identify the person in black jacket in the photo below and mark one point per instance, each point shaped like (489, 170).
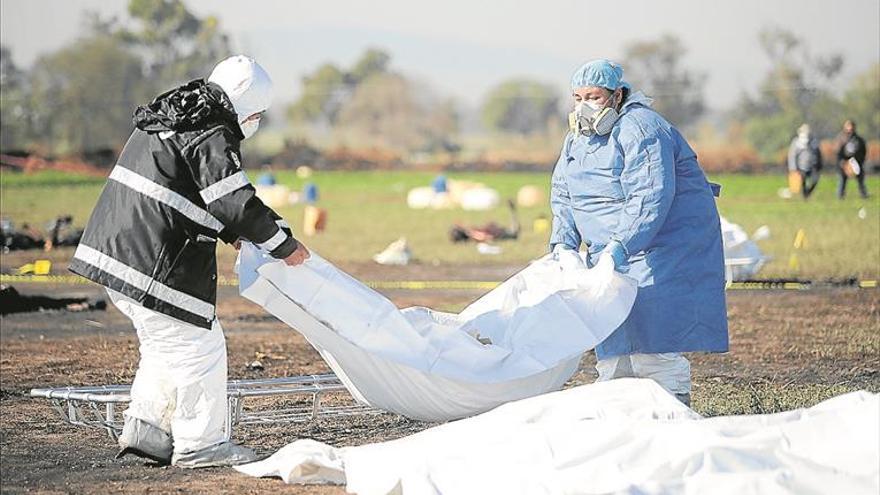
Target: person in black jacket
(177, 187)
(851, 154)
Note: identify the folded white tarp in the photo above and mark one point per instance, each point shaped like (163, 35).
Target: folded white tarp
(623, 436)
(523, 338)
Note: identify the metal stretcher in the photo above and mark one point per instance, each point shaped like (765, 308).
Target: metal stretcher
(296, 399)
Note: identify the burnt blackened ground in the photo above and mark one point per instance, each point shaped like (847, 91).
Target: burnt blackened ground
(789, 349)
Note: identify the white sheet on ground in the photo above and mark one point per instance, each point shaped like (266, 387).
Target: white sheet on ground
(430, 365)
(622, 436)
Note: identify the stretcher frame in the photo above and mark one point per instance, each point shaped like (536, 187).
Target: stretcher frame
(101, 406)
(731, 263)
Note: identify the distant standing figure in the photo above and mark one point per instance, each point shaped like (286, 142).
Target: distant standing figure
(805, 158)
(850, 159)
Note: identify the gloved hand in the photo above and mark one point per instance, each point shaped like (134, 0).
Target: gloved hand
(601, 276)
(605, 263)
(567, 257)
(298, 256)
(615, 253)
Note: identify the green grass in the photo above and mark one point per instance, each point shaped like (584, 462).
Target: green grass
(839, 242)
(367, 210)
(12, 180)
(743, 397)
(38, 198)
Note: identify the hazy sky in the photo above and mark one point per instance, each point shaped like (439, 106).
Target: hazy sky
(463, 47)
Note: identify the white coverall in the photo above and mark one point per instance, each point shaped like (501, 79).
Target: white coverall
(180, 384)
(671, 370)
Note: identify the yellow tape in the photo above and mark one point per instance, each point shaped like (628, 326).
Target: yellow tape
(419, 284)
(225, 281)
(433, 284)
(768, 285)
(50, 279)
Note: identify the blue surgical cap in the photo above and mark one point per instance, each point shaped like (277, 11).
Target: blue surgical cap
(601, 73)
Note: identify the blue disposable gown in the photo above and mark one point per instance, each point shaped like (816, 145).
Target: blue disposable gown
(641, 190)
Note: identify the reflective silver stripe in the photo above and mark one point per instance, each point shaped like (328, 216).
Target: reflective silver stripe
(143, 282)
(273, 242)
(282, 223)
(164, 195)
(223, 187)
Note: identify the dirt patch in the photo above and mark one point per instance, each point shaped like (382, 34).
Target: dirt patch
(788, 349)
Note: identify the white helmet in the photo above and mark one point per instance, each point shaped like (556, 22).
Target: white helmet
(246, 84)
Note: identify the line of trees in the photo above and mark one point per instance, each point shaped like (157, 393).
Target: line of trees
(381, 105)
(805, 88)
(525, 106)
(390, 109)
(80, 98)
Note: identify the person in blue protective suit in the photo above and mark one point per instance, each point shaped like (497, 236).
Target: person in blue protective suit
(628, 185)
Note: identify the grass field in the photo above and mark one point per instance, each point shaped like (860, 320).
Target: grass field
(367, 210)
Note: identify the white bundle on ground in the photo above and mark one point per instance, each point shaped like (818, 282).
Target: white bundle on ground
(742, 256)
(622, 436)
(274, 196)
(479, 199)
(523, 338)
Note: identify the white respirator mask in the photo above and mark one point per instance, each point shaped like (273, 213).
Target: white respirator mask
(589, 118)
(249, 127)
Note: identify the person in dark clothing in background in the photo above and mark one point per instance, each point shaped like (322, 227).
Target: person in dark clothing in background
(805, 158)
(851, 154)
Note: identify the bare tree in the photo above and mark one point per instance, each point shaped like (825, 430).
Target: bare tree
(655, 67)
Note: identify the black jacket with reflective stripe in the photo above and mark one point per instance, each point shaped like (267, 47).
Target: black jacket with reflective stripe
(177, 187)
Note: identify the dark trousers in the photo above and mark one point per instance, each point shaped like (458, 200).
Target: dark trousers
(809, 181)
(841, 184)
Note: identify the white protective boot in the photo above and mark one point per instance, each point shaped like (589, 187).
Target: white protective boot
(145, 440)
(221, 455)
(671, 370)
